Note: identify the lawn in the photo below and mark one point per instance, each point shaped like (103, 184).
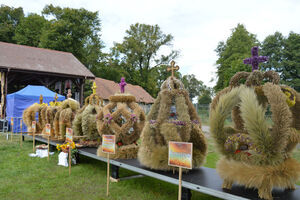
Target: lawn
(24, 177)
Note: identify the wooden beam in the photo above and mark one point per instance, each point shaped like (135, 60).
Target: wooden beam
(81, 91)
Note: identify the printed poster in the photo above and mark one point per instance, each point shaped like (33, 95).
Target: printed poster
(180, 154)
(33, 125)
(108, 143)
(69, 135)
(48, 129)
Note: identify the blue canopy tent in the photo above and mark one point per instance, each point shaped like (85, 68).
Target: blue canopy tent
(17, 102)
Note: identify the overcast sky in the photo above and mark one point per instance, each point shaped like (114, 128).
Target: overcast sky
(197, 26)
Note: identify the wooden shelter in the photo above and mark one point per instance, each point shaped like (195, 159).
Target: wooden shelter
(23, 65)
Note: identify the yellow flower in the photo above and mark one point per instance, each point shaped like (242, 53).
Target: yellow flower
(58, 147)
(73, 145)
(290, 99)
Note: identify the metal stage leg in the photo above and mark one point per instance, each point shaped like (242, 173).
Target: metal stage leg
(77, 157)
(115, 172)
(186, 194)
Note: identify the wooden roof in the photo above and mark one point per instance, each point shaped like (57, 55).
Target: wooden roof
(106, 88)
(25, 58)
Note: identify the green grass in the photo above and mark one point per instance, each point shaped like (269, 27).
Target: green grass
(24, 177)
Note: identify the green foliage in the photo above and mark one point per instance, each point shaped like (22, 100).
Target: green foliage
(193, 85)
(138, 55)
(205, 97)
(232, 53)
(273, 47)
(9, 19)
(75, 31)
(29, 30)
(284, 57)
(87, 88)
(291, 70)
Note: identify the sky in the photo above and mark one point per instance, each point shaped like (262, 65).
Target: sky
(196, 25)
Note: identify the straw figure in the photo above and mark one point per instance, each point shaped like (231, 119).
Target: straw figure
(64, 117)
(29, 115)
(257, 153)
(172, 118)
(84, 122)
(125, 119)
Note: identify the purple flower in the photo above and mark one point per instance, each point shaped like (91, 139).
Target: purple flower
(195, 121)
(178, 123)
(152, 121)
(133, 117)
(107, 118)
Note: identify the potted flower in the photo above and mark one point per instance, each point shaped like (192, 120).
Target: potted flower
(64, 152)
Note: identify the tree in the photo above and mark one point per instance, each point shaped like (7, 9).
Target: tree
(139, 54)
(232, 53)
(193, 85)
(29, 30)
(205, 97)
(73, 30)
(291, 64)
(273, 46)
(9, 19)
(283, 53)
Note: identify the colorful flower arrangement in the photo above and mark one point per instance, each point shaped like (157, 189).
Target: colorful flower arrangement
(65, 148)
(240, 143)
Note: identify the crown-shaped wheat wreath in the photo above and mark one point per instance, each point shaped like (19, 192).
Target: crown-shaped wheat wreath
(125, 119)
(256, 149)
(172, 118)
(84, 122)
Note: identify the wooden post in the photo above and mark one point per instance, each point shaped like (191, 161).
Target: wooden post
(70, 159)
(81, 91)
(21, 143)
(48, 147)
(107, 188)
(179, 185)
(33, 141)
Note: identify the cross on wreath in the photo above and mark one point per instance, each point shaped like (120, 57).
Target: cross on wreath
(94, 87)
(255, 59)
(173, 68)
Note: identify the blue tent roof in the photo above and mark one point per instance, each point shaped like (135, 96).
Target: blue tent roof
(36, 91)
(17, 102)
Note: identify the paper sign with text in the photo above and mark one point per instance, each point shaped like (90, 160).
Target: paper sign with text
(108, 144)
(11, 121)
(69, 135)
(33, 125)
(48, 129)
(180, 154)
